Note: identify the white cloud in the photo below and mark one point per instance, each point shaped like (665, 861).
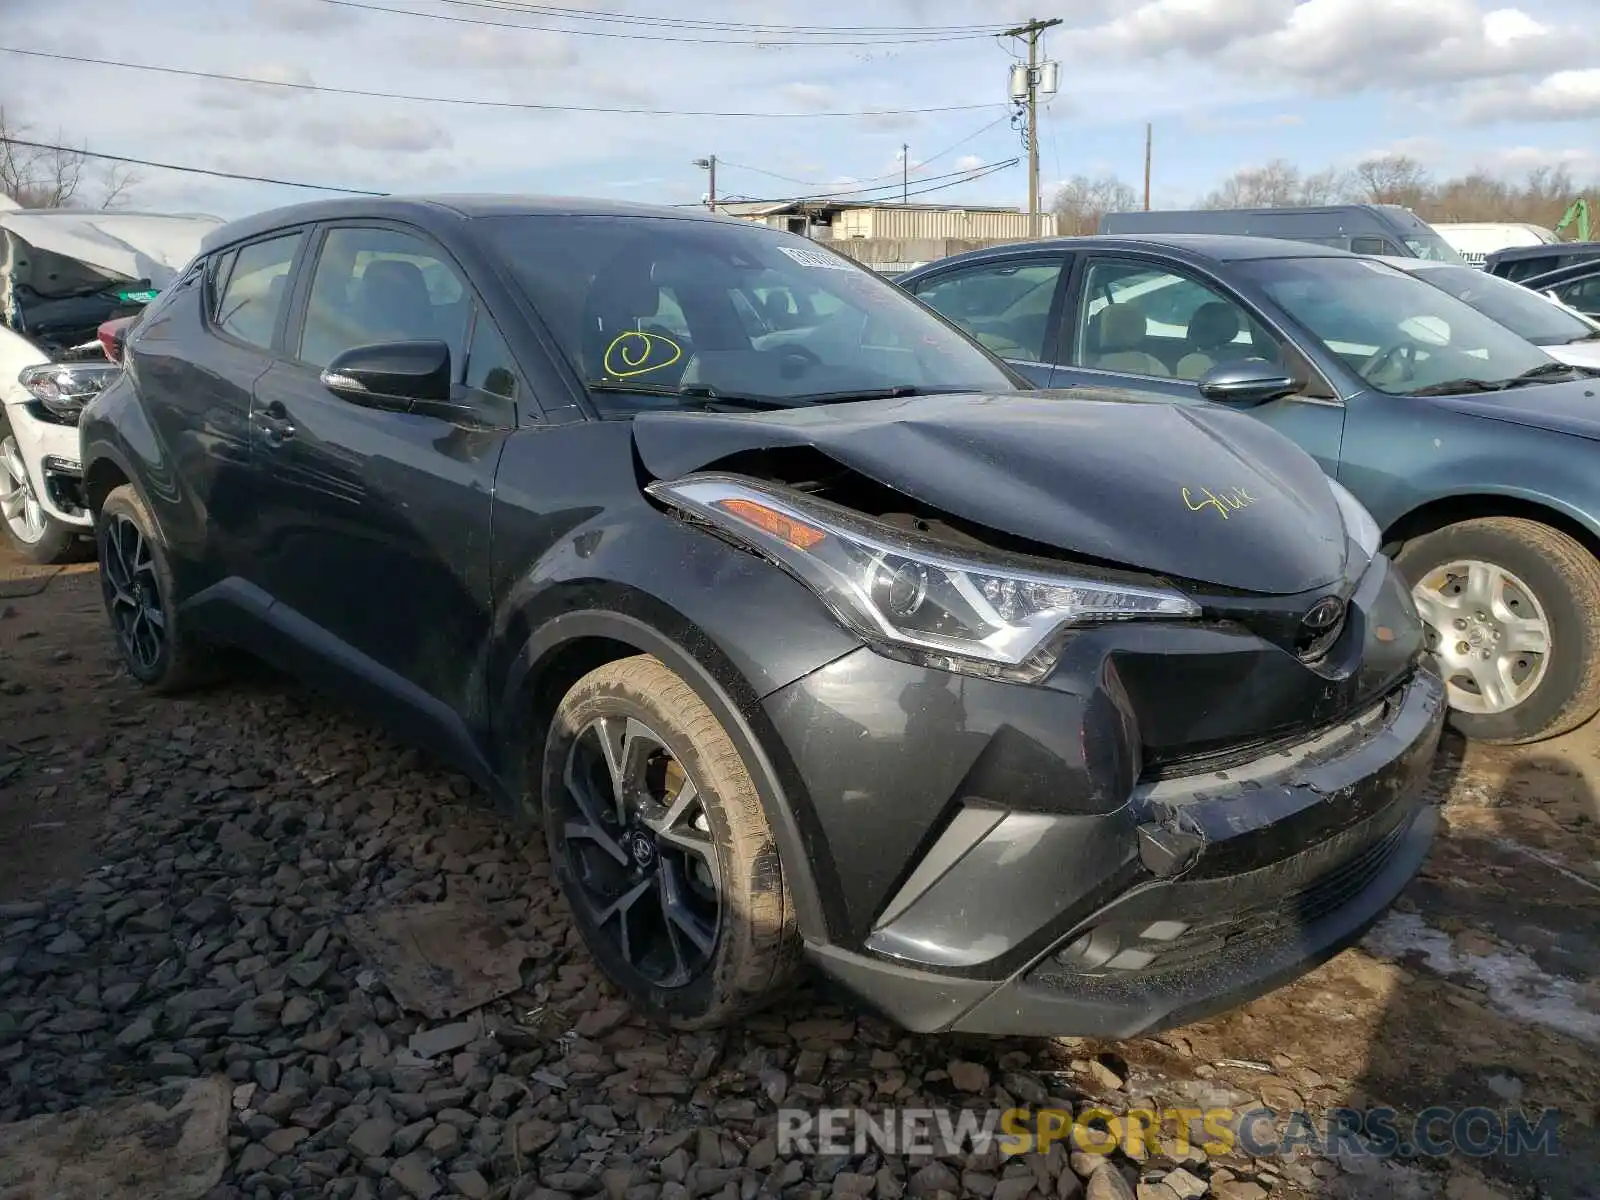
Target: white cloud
(533, 51)
(969, 162)
(1563, 96)
(303, 16)
(813, 97)
(1342, 45)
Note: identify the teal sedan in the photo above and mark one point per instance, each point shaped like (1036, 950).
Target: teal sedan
(1472, 448)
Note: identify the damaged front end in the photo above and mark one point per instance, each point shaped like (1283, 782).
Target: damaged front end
(1059, 790)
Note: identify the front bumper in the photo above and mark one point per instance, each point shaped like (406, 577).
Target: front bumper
(1095, 856)
(1209, 934)
(50, 453)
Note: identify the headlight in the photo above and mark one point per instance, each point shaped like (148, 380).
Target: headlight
(909, 596)
(1358, 522)
(64, 388)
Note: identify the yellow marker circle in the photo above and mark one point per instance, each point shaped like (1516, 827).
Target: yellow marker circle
(630, 353)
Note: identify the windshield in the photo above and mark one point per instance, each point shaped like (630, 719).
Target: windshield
(1398, 334)
(1514, 306)
(654, 311)
(1431, 246)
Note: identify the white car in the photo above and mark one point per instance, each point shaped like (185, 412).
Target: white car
(1561, 332)
(64, 272)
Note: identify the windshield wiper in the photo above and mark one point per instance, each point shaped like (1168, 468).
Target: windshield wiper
(1536, 374)
(882, 393)
(699, 394)
(1454, 387)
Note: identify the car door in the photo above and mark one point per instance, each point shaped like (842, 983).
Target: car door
(1582, 294)
(375, 523)
(1011, 305)
(1135, 321)
(198, 354)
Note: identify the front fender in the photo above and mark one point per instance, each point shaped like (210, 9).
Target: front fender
(1527, 467)
(733, 626)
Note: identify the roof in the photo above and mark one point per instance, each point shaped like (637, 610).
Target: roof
(1220, 247)
(1546, 250)
(446, 207)
(766, 208)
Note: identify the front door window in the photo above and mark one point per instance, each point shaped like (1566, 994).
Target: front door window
(1139, 319)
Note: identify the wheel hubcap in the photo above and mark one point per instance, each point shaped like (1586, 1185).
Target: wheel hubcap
(133, 597)
(19, 504)
(1489, 632)
(638, 844)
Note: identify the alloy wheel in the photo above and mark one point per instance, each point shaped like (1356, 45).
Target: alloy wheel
(1488, 631)
(19, 503)
(638, 842)
(133, 594)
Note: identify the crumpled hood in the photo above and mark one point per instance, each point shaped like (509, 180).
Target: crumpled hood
(1194, 492)
(1568, 407)
(126, 245)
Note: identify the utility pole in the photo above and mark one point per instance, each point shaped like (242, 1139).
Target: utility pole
(1032, 31)
(1149, 133)
(905, 173)
(709, 165)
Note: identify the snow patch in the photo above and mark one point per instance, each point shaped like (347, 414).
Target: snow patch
(1514, 982)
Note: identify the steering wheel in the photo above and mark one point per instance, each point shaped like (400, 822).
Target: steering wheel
(802, 358)
(1401, 352)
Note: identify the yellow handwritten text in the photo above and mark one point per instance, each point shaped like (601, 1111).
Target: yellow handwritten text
(633, 353)
(1230, 501)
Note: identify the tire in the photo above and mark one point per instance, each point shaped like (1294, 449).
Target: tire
(165, 658)
(1553, 579)
(640, 706)
(55, 541)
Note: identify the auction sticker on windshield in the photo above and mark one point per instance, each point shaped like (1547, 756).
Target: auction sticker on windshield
(815, 258)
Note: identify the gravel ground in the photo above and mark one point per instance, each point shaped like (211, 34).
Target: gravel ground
(254, 888)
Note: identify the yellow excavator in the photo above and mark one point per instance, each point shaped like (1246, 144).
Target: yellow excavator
(1577, 214)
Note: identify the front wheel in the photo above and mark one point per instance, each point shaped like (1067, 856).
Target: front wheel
(1513, 614)
(662, 849)
(37, 535)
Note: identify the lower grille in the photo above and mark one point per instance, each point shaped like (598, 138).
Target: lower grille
(1183, 940)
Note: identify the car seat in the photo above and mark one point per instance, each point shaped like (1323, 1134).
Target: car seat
(393, 301)
(1122, 331)
(1212, 329)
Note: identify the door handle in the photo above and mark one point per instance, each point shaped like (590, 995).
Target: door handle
(276, 425)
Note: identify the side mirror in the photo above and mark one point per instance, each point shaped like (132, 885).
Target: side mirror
(392, 375)
(1247, 381)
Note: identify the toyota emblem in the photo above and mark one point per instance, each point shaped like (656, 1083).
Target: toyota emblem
(1319, 628)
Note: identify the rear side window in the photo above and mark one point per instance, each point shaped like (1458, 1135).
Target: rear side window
(1004, 305)
(1371, 245)
(251, 289)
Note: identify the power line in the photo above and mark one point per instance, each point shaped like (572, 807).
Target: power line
(873, 178)
(165, 166)
(513, 105)
(879, 40)
(589, 14)
(966, 176)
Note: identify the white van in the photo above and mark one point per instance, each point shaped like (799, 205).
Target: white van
(1476, 240)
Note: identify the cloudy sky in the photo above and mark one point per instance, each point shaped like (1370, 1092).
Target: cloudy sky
(1227, 84)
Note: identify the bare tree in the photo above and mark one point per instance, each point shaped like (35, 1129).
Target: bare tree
(1082, 201)
(1393, 179)
(55, 178)
(1330, 186)
(1274, 185)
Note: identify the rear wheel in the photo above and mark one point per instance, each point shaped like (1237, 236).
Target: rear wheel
(660, 844)
(35, 534)
(1513, 615)
(141, 598)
